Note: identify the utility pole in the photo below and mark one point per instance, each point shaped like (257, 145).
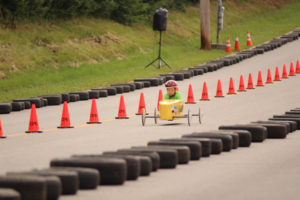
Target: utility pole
(205, 24)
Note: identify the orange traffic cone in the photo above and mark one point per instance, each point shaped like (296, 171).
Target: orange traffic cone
(204, 93)
(237, 44)
(250, 82)
(269, 77)
(259, 80)
(297, 67)
(190, 97)
(33, 122)
(65, 118)
(242, 86)
(94, 119)
(160, 98)
(277, 76)
(249, 41)
(231, 87)
(228, 46)
(292, 72)
(219, 92)
(1, 131)
(141, 104)
(284, 73)
(122, 110)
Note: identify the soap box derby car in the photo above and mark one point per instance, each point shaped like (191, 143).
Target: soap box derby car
(171, 110)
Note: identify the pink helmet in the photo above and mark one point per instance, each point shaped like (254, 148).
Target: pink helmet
(171, 83)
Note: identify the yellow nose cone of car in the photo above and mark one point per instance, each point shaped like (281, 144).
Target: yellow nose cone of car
(170, 109)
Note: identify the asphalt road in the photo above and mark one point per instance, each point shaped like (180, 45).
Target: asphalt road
(268, 170)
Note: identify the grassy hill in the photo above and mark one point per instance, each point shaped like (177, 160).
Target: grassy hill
(61, 56)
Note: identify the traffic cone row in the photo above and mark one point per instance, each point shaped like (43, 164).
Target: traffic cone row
(237, 44)
(94, 119)
(1, 131)
(228, 46)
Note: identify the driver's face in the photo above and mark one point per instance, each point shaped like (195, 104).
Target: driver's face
(171, 91)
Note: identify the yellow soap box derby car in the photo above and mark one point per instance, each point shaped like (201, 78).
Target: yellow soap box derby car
(171, 110)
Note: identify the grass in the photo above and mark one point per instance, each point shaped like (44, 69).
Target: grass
(79, 54)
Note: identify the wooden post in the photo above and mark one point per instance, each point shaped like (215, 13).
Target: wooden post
(205, 24)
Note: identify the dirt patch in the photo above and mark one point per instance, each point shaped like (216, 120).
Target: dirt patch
(2, 75)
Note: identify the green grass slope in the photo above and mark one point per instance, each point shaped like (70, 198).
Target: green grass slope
(62, 56)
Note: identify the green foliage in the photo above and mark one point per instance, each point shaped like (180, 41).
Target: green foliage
(123, 11)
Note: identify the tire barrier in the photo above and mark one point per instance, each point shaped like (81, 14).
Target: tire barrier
(9, 194)
(53, 183)
(113, 171)
(29, 187)
(88, 171)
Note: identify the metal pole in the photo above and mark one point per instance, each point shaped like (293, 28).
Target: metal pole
(159, 50)
(205, 24)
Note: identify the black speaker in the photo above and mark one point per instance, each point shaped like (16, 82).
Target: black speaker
(160, 19)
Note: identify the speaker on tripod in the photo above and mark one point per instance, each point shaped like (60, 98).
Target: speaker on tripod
(160, 24)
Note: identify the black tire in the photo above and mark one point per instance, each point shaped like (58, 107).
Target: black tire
(287, 116)
(293, 113)
(195, 71)
(168, 76)
(286, 124)
(186, 74)
(205, 144)
(178, 76)
(36, 101)
(45, 102)
(155, 159)
(5, 108)
(131, 85)
(199, 71)
(153, 81)
(17, 106)
(69, 180)
(132, 164)
(112, 171)
(88, 178)
(260, 50)
(161, 80)
(146, 84)
(125, 88)
(94, 94)
(145, 161)
(297, 120)
(65, 97)
(293, 124)
(183, 152)
(259, 133)
(29, 187)
(119, 89)
(275, 130)
(234, 135)
(226, 139)
(111, 91)
(204, 68)
(53, 99)
(245, 137)
(139, 85)
(195, 147)
(74, 97)
(54, 185)
(82, 95)
(103, 93)
(27, 104)
(168, 157)
(9, 194)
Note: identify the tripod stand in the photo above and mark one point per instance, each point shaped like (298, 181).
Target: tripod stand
(159, 58)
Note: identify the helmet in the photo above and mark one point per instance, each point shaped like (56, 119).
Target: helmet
(171, 83)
